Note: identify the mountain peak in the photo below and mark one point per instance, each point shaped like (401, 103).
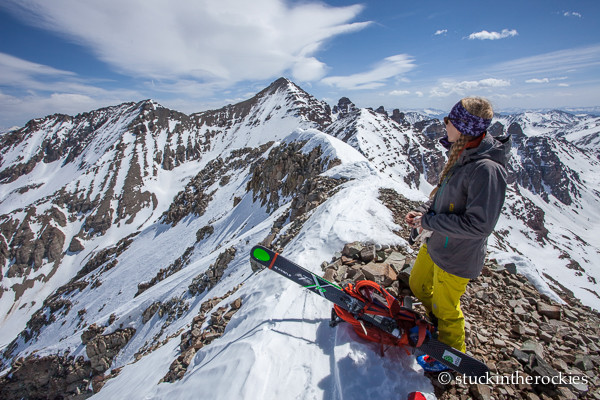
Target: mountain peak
(344, 106)
(290, 97)
(282, 84)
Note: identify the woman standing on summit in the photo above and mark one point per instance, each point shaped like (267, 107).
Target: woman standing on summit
(461, 214)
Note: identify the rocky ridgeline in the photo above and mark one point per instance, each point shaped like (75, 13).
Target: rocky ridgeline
(284, 172)
(59, 303)
(64, 376)
(509, 325)
(195, 197)
(288, 173)
(196, 338)
(313, 192)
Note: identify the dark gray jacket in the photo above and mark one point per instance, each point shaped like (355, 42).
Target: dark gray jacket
(466, 207)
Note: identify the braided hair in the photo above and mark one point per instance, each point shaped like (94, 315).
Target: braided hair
(479, 107)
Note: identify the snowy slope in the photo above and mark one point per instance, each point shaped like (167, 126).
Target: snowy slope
(281, 345)
(156, 198)
(119, 177)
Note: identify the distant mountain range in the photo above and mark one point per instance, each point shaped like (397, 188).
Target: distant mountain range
(130, 218)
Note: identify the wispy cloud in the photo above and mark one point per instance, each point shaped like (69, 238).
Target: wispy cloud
(447, 88)
(553, 63)
(572, 14)
(390, 67)
(441, 32)
(30, 90)
(228, 41)
(538, 80)
(485, 35)
(14, 70)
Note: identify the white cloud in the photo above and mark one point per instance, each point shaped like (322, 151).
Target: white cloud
(441, 32)
(546, 80)
(419, 93)
(308, 69)
(399, 93)
(537, 80)
(388, 68)
(563, 84)
(32, 90)
(16, 110)
(485, 35)
(572, 14)
(447, 88)
(206, 40)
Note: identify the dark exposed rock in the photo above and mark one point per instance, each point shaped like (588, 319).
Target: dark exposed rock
(194, 199)
(542, 171)
(101, 349)
(204, 232)
(381, 110)
(49, 377)
(150, 311)
(344, 106)
(75, 246)
(400, 118)
(209, 279)
(134, 199)
(196, 337)
(283, 173)
(63, 376)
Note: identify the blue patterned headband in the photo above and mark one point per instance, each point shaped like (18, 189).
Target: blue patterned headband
(467, 123)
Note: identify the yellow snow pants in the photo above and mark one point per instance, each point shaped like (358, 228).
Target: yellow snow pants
(440, 293)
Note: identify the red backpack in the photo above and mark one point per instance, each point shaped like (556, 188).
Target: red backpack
(379, 301)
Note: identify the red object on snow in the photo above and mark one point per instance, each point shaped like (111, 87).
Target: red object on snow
(416, 396)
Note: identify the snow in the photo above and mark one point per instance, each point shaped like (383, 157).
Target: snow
(279, 345)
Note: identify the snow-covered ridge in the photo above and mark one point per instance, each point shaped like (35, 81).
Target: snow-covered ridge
(86, 238)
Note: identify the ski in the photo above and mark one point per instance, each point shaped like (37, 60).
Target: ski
(458, 361)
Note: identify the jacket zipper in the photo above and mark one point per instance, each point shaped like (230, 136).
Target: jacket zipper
(439, 194)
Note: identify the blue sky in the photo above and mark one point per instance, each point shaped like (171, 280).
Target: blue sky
(72, 56)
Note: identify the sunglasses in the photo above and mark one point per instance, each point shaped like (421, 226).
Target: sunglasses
(448, 119)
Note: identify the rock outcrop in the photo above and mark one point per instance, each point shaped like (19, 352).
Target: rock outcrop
(198, 336)
(209, 279)
(65, 376)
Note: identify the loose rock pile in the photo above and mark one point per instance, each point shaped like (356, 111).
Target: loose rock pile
(528, 340)
(54, 376)
(382, 264)
(64, 376)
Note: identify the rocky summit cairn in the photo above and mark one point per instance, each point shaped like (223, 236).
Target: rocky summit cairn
(535, 347)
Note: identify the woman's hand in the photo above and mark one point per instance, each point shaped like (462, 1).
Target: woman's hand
(413, 218)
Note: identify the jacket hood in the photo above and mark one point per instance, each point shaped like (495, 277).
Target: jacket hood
(493, 148)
